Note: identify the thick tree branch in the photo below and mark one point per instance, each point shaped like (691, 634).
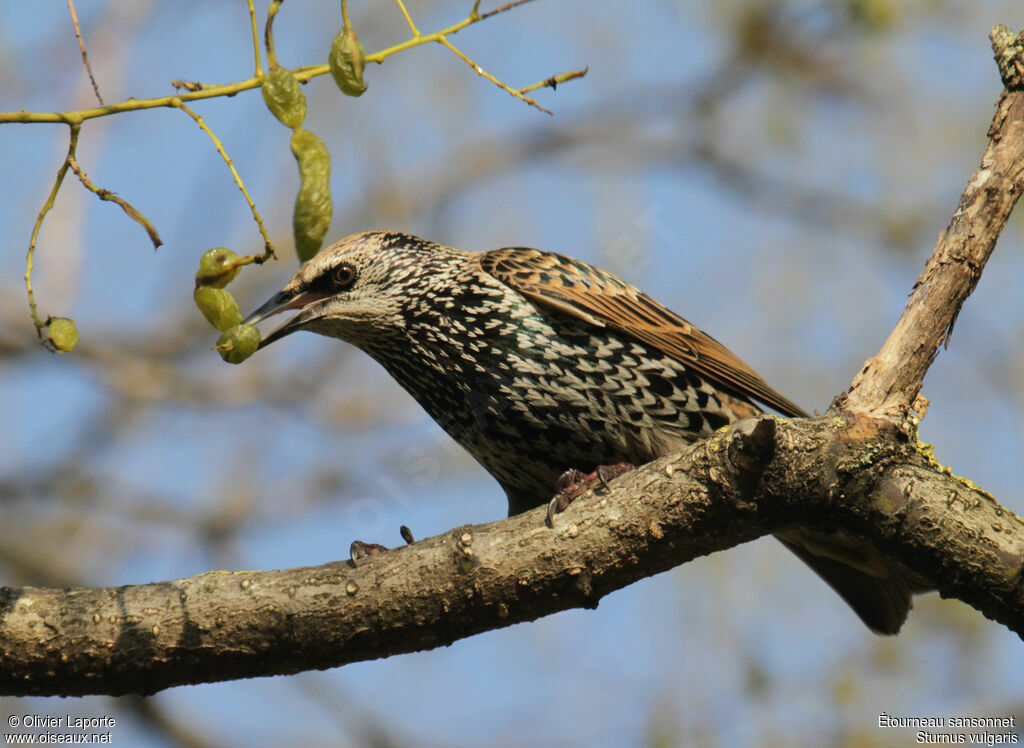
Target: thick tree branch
(762, 476)
(889, 382)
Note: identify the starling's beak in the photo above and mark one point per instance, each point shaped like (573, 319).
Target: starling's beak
(282, 301)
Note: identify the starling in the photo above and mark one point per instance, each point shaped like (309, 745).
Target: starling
(537, 363)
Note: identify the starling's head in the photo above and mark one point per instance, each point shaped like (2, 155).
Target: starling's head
(358, 287)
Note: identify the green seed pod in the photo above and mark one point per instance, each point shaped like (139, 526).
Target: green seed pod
(217, 268)
(218, 306)
(313, 207)
(284, 97)
(347, 61)
(62, 335)
(238, 343)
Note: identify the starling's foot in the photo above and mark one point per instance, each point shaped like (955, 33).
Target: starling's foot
(574, 483)
(571, 480)
(359, 549)
(606, 473)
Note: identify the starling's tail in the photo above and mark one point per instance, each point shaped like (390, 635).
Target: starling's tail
(878, 590)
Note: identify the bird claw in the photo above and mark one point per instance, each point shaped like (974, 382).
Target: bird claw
(606, 473)
(557, 505)
(359, 549)
(570, 479)
(574, 483)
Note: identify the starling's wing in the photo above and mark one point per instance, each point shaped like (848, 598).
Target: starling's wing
(601, 299)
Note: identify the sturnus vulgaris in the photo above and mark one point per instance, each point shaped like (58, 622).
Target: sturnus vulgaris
(537, 363)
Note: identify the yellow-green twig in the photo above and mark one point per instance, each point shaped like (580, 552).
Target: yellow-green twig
(268, 34)
(408, 18)
(480, 71)
(269, 248)
(128, 105)
(502, 9)
(554, 80)
(108, 195)
(187, 85)
(81, 46)
(255, 40)
(47, 206)
(303, 74)
(240, 262)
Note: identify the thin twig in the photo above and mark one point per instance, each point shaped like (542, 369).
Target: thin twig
(255, 40)
(554, 80)
(303, 75)
(503, 8)
(269, 247)
(187, 85)
(47, 206)
(268, 33)
(481, 72)
(125, 205)
(408, 18)
(81, 46)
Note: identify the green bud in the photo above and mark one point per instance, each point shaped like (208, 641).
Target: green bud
(62, 335)
(347, 60)
(218, 306)
(284, 97)
(313, 206)
(217, 268)
(238, 343)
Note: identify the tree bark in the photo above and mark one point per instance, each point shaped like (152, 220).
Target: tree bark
(889, 383)
(841, 470)
(859, 467)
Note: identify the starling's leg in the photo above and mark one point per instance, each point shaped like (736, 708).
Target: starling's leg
(359, 549)
(573, 483)
(570, 480)
(606, 473)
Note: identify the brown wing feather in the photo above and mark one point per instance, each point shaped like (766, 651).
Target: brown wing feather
(602, 299)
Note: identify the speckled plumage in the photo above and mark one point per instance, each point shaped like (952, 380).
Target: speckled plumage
(537, 363)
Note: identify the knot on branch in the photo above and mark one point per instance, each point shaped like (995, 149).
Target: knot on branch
(754, 444)
(1008, 49)
(750, 450)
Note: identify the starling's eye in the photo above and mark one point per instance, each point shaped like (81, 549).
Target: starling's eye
(343, 276)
